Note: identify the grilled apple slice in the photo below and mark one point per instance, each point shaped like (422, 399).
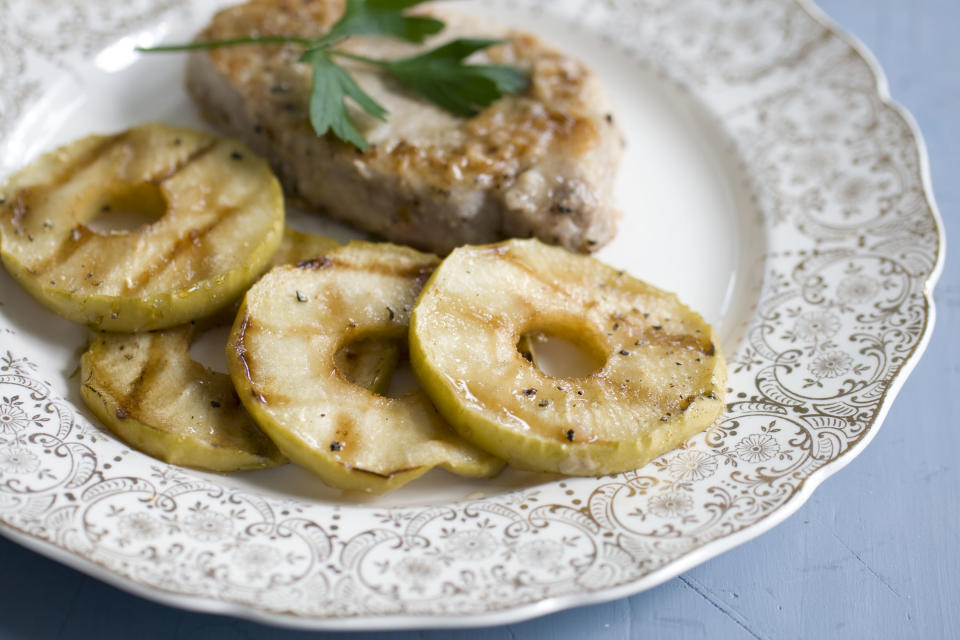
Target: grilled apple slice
(282, 357)
(217, 218)
(369, 363)
(661, 378)
(148, 391)
(296, 246)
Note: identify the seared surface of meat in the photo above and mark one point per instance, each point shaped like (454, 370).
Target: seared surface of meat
(540, 163)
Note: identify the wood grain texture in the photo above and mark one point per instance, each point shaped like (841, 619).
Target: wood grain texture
(872, 555)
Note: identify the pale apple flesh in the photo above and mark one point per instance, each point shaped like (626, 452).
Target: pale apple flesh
(146, 388)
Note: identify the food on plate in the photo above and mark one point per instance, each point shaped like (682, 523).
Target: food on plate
(147, 390)
(282, 356)
(297, 245)
(537, 163)
(660, 379)
(486, 139)
(213, 214)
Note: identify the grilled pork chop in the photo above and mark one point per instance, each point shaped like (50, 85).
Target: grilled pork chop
(540, 163)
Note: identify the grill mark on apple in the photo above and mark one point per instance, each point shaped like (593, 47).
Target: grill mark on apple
(193, 239)
(536, 274)
(25, 199)
(472, 314)
(153, 364)
(651, 336)
(75, 240)
(180, 165)
(240, 349)
(348, 447)
(419, 273)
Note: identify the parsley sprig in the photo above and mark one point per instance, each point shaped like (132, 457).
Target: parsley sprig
(441, 75)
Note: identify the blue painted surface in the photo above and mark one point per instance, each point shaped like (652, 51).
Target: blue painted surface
(872, 555)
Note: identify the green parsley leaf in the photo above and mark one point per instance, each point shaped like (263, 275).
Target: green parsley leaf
(328, 109)
(384, 18)
(441, 76)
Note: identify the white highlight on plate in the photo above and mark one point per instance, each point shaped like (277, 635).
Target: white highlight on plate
(122, 53)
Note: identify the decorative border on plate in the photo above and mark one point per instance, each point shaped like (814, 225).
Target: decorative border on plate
(854, 246)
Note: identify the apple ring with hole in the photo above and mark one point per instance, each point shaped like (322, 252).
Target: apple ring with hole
(658, 377)
(203, 214)
(282, 358)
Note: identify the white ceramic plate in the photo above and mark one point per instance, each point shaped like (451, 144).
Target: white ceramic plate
(767, 179)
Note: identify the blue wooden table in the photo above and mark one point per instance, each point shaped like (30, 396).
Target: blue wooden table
(872, 555)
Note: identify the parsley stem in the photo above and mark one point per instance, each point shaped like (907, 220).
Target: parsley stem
(232, 42)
